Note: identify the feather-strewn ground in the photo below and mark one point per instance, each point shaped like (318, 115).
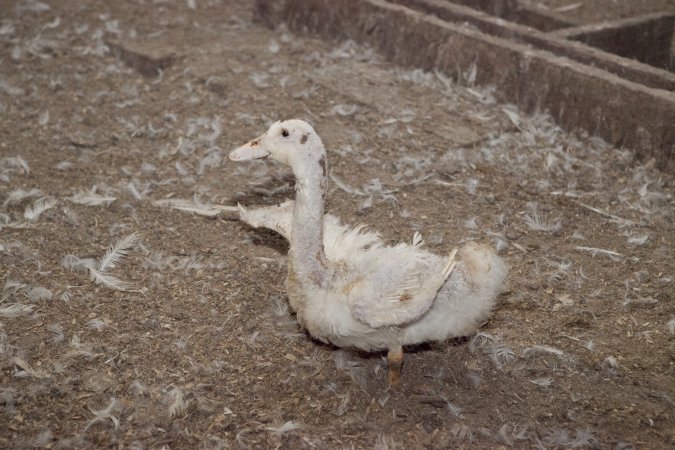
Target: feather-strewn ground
(125, 323)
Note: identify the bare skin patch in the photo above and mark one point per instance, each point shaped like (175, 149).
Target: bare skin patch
(303, 139)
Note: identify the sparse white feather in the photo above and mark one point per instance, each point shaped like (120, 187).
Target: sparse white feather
(57, 331)
(15, 162)
(285, 428)
(178, 404)
(33, 211)
(96, 324)
(91, 198)
(117, 252)
(76, 263)
(638, 240)
(105, 413)
(205, 210)
(27, 369)
(670, 326)
(16, 310)
(599, 251)
(538, 223)
(39, 293)
(109, 281)
(539, 349)
(499, 353)
(19, 195)
(543, 382)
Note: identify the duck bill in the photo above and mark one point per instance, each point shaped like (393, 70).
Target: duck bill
(252, 150)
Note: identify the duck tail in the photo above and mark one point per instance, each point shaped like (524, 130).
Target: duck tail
(485, 271)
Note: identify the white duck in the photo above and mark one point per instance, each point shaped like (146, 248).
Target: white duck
(350, 289)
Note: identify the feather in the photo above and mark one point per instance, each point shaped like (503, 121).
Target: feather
(417, 241)
(96, 324)
(178, 403)
(39, 293)
(19, 195)
(638, 240)
(564, 438)
(599, 251)
(27, 369)
(105, 413)
(285, 428)
(200, 209)
(616, 219)
(40, 205)
(670, 326)
(15, 162)
(538, 223)
(16, 310)
(543, 382)
(57, 331)
(73, 262)
(499, 353)
(450, 265)
(117, 252)
(90, 198)
(11, 288)
(109, 281)
(539, 349)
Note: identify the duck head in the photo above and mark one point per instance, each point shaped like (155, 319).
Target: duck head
(291, 142)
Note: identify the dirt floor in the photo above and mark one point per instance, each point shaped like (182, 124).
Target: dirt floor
(200, 350)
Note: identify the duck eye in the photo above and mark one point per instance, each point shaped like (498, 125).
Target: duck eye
(284, 132)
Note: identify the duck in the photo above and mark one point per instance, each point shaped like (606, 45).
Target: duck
(346, 285)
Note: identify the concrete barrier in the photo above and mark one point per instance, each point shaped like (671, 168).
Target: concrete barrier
(578, 96)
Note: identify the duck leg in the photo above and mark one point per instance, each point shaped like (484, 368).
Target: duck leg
(395, 361)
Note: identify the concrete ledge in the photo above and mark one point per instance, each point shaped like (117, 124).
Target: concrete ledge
(629, 69)
(645, 38)
(577, 96)
(520, 12)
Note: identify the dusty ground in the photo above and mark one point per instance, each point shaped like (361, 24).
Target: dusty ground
(201, 351)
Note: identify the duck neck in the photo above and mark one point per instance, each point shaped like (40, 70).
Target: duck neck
(307, 250)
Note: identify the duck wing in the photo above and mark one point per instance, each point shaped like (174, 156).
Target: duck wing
(276, 218)
(340, 241)
(407, 298)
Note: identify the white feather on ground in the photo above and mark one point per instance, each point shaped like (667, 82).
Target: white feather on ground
(17, 196)
(201, 209)
(110, 260)
(538, 223)
(109, 281)
(178, 403)
(91, 198)
(285, 428)
(105, 413)
(76, 263)
(16, 310)
(117, 252)
(40, 205)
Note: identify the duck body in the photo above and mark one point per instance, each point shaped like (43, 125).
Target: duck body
(348, 287)
(464, 300)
